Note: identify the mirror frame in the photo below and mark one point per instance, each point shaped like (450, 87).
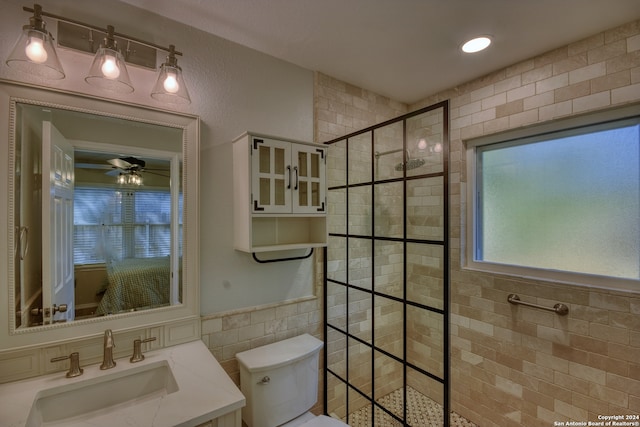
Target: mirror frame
(12, 93)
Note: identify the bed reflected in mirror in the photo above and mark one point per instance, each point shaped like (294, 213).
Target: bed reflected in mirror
(98, 215)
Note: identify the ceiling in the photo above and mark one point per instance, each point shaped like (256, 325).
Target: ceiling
(403, 49)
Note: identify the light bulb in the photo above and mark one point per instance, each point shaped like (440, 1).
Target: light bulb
(437, 148)
(422, 144)
(35, 50)
(476, 45)
(170, 84)
(109, 67)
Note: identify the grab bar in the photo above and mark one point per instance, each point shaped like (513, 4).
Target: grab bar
(559, 308)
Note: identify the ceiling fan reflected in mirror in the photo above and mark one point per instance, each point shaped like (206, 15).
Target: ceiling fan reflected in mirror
(127, 170)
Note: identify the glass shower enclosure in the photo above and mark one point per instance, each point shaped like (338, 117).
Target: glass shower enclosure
(386, 273)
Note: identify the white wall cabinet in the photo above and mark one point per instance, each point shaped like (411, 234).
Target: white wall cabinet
(279, 194)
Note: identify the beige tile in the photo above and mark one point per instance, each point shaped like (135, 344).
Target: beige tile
(524, 118)
(552, 83)
(609, 302)
(633, 43)
(623, 62)
(609, 333)
(570, 353)
(537, 74)
(584, 45)
(623, 384)
(541, 100)
(622, 32)
(510, 108)
(521, 92)
(551, 57)
(622, 352)
(572, 91)
(592, 102)
(587, 373)
(550, 112)
(588, 344)
(570, 411)
(570, 63)
(607, 51)
(592, 71)
(625, 94)
(608, 395)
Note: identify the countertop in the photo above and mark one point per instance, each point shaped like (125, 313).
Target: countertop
(205, 392)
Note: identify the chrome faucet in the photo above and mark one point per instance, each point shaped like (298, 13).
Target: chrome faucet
(107, 357)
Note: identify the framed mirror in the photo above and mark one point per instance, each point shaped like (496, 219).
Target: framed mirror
(101, 215)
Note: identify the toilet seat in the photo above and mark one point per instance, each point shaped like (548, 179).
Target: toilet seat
(309, 420)
(324, 421)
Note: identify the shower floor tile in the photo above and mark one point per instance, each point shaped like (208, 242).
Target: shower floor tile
(422, 412)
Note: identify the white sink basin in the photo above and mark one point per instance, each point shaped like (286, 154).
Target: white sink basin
(99, 396)
(179, 386)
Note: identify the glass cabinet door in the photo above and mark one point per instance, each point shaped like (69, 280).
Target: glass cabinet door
(308, 179)
(271, 177)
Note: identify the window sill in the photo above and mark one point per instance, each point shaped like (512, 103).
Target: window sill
(555, 276)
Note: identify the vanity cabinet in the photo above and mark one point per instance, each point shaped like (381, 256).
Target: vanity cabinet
(279, 194)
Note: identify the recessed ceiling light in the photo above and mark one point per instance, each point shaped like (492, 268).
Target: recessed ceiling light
(476, 45)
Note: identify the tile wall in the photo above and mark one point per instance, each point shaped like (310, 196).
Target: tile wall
(520, 366)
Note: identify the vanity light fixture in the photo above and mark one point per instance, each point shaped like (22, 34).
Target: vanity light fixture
(476, 44)
(108, 70)
(170, 86)
(34, 53)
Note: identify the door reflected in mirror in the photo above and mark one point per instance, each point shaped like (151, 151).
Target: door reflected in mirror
(98, 215)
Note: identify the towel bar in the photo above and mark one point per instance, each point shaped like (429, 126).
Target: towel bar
(559, 308)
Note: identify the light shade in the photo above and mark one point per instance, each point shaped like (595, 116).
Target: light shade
(170, 86)
(108, 71)
(34, 52)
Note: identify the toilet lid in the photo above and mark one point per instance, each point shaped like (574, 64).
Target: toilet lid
(324, 421)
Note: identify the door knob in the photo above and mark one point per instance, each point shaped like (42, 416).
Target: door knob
(62, 308)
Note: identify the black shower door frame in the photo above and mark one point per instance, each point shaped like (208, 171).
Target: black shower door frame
(441, 377)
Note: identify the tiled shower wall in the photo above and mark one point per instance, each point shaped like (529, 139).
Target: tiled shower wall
(521, 366)
(424, 220)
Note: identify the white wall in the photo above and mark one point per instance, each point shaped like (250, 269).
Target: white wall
(233, 89)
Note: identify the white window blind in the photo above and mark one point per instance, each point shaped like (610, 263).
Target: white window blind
(116, 224)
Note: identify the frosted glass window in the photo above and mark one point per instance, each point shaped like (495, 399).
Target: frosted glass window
(567, 201)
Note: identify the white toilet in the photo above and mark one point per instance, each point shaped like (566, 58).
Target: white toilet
(280, 383)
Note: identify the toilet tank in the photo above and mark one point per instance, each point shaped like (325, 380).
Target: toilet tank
(279, 380)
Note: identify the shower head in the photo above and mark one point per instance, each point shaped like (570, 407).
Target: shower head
(411, 164)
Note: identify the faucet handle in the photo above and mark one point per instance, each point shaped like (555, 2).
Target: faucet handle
(74, 366)
(137, 349)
